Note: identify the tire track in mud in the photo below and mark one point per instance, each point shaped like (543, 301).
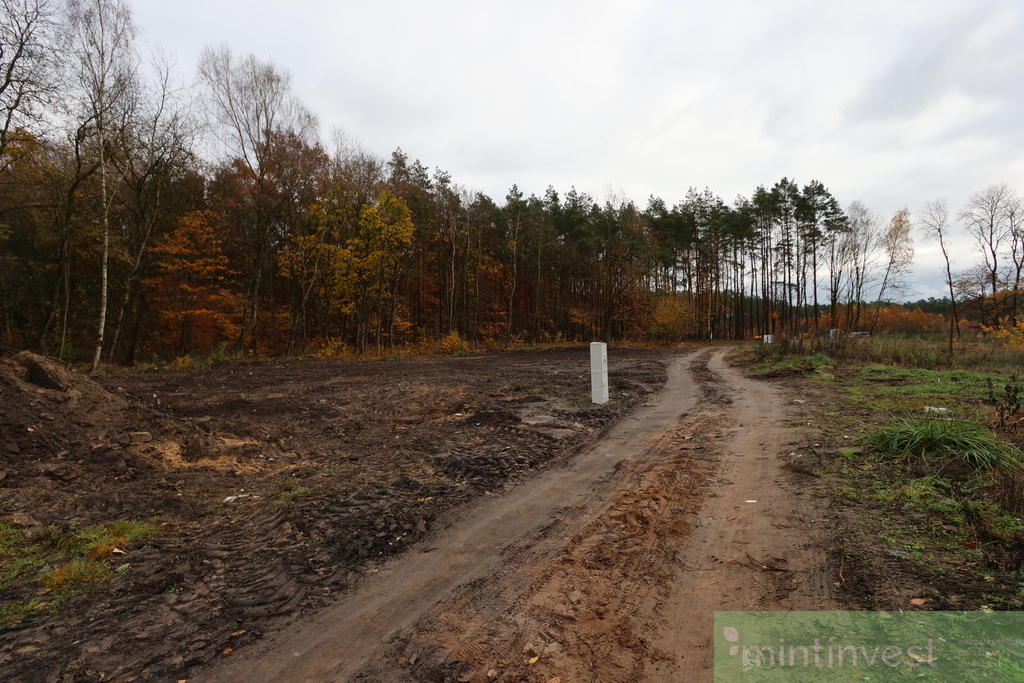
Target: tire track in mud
(582, 611)
(607, 569)
(528, 523)
(587, 610)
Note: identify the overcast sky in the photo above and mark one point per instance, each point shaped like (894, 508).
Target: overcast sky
(892, 103)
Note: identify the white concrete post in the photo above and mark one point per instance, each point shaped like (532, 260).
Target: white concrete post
(599, 372)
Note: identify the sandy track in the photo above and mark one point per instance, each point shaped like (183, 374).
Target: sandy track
(606, 569)
(763, 555)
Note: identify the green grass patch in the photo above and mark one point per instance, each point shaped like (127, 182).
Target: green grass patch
(851, 493)
(288, 493)
(926, 493)
(784, 363)
(899, 389)
(934, 503)
(62, 559)
(12, 613)
(960, 440)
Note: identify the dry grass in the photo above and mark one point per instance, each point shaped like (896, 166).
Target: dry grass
(79, 571)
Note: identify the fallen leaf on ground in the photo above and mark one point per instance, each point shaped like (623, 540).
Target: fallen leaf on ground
(729, 519)
(533, 660)
(556, 679)
(238, 633)
(918, 601)
(228, 650)
(732, 559)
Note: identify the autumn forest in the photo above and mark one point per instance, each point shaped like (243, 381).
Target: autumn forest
(140, 219)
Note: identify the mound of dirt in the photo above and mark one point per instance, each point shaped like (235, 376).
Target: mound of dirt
(64, 439)
(44, 404)
(59, 434)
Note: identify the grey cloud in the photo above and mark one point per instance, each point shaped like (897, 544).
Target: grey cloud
(976, 53)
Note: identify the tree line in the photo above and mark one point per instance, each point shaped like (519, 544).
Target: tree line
(141, 217)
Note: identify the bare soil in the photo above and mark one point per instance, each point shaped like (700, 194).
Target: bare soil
(277, 486)
(440, 519)
(606, 567)
(448, 519)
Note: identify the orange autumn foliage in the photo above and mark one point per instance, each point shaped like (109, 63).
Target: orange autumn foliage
(190, 290)
(896, 319)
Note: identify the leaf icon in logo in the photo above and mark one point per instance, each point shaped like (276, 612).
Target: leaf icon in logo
(731, 634)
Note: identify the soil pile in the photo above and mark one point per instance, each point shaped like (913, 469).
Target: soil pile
(66, 441)
(62, 437)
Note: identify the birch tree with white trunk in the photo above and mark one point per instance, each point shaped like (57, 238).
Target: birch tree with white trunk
(102, 38)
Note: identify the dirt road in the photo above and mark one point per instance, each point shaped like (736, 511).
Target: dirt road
(607, 568)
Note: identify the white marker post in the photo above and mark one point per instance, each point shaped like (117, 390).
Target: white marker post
(599, 372)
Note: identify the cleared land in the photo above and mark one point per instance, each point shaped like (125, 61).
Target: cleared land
(471, 518)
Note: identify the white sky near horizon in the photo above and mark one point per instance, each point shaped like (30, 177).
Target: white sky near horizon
(890, 103)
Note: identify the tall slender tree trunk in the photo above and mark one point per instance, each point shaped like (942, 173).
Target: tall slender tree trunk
(104, 266)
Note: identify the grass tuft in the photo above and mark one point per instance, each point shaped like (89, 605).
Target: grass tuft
(967, 442)
(77, 572)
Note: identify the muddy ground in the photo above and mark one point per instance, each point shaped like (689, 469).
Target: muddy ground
(276, 486)
(549, 540)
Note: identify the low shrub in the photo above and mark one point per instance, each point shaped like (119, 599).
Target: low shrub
(453, 344)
